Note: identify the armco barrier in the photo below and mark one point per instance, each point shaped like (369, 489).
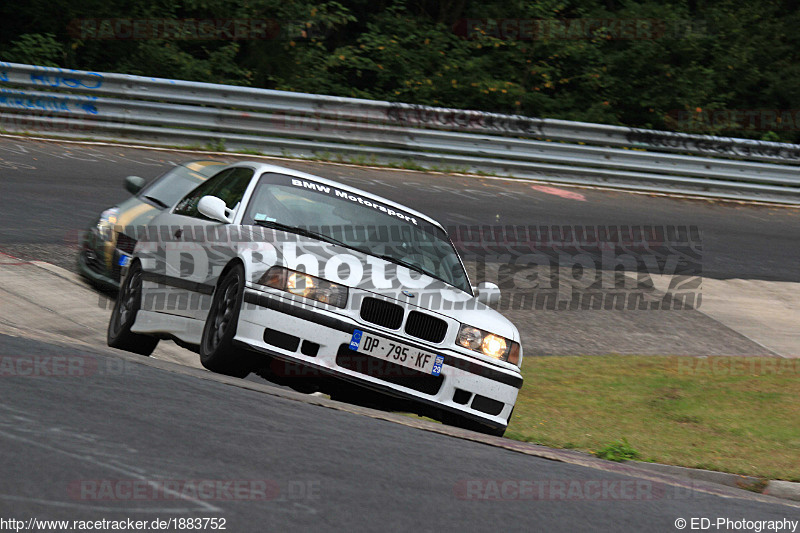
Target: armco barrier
(105, 106)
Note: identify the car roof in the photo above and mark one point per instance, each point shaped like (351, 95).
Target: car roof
(266, 167)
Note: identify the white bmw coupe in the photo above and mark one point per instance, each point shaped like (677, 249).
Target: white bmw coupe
(322, 287)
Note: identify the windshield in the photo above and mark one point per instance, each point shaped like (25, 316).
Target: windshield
(359, 222)
(175, 184)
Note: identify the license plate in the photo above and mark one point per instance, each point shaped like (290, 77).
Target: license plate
(123, 260)
(396, 352)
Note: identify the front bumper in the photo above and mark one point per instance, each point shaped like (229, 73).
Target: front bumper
(319, 339)
(93, 261)
(99, 260)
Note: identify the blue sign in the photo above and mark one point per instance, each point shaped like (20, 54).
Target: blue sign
(356, 340)
(437, 366)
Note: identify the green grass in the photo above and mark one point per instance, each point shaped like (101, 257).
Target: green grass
(739, 415)
(620, 450)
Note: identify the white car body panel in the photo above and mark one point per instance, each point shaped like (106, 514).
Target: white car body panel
(186, 299)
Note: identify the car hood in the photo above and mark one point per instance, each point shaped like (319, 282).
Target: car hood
(371, 274)
(135, 212)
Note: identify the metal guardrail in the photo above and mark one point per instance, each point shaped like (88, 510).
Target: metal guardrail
(80, 104)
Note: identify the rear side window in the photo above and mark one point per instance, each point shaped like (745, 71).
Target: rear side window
(229, 185)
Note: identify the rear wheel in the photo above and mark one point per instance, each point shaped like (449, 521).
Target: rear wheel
(217, 352)
(123, 316)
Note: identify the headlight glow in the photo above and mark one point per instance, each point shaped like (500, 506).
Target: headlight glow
(488, 344)
(105, 226)
(494, 346)
(301, 284)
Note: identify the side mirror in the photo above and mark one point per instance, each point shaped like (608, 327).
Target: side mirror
(488, 293)
(134, 184)
(215, 209)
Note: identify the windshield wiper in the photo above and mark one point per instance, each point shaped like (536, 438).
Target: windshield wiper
(156, 201)
(410, 265)
(307, 233)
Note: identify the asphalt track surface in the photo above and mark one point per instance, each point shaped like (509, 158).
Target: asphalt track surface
(331, 470)
(52, 191)
(334, 470)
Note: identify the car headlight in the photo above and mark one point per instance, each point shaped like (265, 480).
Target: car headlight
(488, 344)
(105, 226)
(302, 284)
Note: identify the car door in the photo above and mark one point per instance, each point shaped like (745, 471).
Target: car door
(193, 248)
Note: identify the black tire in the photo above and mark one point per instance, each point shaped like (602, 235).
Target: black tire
(129, 300)
(217, 352)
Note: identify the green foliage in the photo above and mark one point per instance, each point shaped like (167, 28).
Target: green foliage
(702, 57)
(167, 60)
(619, 450)
(36, 49)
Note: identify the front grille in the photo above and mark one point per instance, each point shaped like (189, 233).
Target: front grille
(125, 243)
(386, 371)
(426, 327)
(91, 259)
(382, 313)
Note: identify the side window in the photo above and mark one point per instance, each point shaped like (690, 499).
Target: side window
(188, 206)
(229, 185)
(232, 188)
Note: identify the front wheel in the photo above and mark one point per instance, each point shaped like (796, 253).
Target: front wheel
(123, 316)
(217, 352)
